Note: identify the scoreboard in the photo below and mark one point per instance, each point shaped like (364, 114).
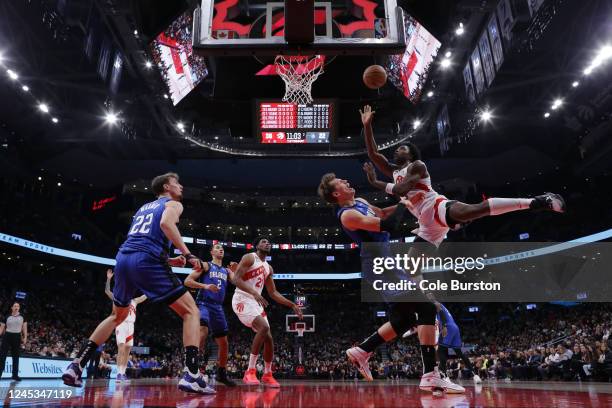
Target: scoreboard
(283, 122)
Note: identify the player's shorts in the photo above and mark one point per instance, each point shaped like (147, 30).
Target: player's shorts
(213, 317)
(453, 337)
(139, 273)
(247, 309)
(405, 315)
(434, 222)
(124, 333)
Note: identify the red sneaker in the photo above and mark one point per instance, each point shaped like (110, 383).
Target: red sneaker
(269, 381)
(250, 377)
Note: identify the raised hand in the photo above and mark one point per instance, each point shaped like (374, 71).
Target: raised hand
(367, 114)
(109, 274)
(370, 172)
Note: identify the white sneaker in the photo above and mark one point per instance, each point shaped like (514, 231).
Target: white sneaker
(477, 379)
(194, 384)
(433, 381)
(360, 358)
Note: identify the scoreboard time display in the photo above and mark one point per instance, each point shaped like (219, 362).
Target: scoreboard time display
(280, 122)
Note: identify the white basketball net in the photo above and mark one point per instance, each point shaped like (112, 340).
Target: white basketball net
(299, 72)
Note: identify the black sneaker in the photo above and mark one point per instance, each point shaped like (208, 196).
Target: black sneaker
(223, 378)
(548, 202)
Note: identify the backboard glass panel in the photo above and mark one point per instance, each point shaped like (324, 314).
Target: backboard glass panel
(256, 27)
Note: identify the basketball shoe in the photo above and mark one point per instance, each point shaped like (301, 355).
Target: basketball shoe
(72, 375)
(250, 377)
(549, 202)
(434, 381)
(195, 384)
(269, 381)
(360, 358)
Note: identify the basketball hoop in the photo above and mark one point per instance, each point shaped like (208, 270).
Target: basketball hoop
(299, 72)
(300, 328)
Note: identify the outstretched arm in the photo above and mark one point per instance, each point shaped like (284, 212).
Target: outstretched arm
(381, 162)
(107, 288)
(278, 298)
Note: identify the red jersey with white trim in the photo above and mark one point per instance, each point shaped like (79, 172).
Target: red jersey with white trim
(422, 185)
(256, 276)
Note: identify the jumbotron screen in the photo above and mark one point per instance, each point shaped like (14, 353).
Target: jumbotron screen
(279, 122)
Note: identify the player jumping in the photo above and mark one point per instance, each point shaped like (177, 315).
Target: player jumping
(124, 333)
(252, 274)
(212, 283)
(364, 223)
(437, 214)
(143, 266)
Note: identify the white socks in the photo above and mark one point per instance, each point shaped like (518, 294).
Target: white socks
(499, 206)
(253, 361)
(268, 367)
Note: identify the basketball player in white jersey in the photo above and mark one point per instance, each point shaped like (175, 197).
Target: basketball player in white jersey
(252, 274)
(435, 213)
(124, 332)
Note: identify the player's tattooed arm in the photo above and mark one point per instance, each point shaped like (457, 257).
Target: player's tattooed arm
(107, 288)
(278, 298)
(245, 263)
(381, 162)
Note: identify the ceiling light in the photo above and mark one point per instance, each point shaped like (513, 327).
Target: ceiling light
(59, 184)
(445, 63)
(448, 54)
(557, 103)
(430, 94)
(148, 64)
(547, 115)
(460, 30)
(165, 96)
(575, 84)
(180, 126)
(25, 88)
(43, 107)
(12, 74)
(111, 118)
(135, 32)
(486, 116)
(416, 124)
(54, 120)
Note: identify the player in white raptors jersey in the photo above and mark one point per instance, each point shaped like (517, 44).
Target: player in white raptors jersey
(435, 213)
(124, 333)
(252, 274)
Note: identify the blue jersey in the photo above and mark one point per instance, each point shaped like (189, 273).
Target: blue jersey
(145, 233)
(360, 236)
(449, 318)
(216, 275)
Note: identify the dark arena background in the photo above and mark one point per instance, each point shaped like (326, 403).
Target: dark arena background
(249, 104)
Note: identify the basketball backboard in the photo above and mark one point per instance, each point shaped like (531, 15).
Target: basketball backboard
(257, 27)
(293, 324)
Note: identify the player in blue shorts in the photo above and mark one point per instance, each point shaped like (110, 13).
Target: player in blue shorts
(143, 267)
(211, 281)
(450, 337)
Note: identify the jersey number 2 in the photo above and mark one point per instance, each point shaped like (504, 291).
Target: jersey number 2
(142, 224)
(259, 282)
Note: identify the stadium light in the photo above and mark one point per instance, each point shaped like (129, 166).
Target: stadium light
(486, 116)
(416, 124)
(575, 84)
(148, 64)
(54, 120)
(557, 103)
(445, 63)
(430, 94)
(165, 96)
(180, 126)
(12, 74)
(1, 57)
(43, 107)
(25, 88)
(135, 32)
(111, 118)
(547, 115)
(460, 30)
(448, 54)
(604, 54)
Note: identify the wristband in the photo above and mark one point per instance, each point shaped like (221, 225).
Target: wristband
(389, 188)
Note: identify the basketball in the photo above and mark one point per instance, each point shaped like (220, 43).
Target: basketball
(374, 76)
